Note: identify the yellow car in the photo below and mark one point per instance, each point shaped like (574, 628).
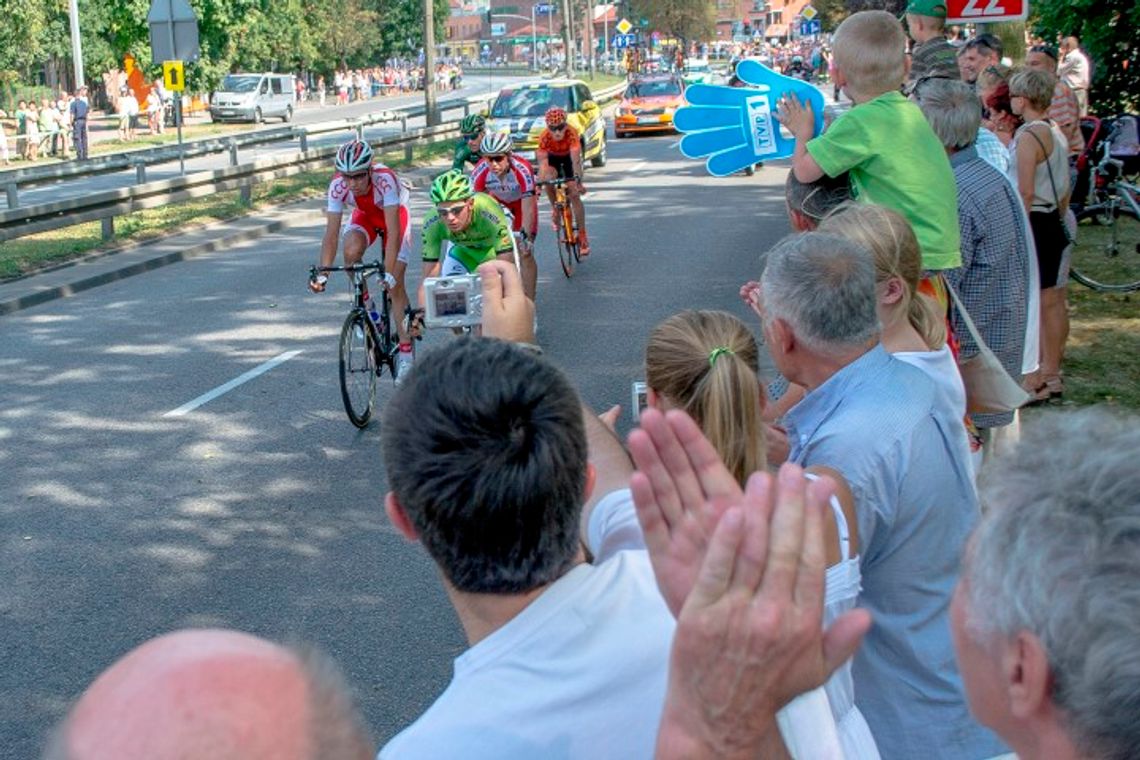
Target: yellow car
(519, 111)
(649, 104)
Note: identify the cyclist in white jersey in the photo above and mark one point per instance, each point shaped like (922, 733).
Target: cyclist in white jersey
(379, 203)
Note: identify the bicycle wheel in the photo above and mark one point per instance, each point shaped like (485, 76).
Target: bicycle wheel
(565, 252)
(358, 368)
(1107, 256)
(571, 233)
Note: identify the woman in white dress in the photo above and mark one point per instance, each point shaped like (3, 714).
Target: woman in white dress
(707, 363)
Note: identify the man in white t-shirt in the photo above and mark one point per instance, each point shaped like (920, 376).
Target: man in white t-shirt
(485, 446)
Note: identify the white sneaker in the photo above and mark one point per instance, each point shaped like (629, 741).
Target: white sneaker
(404, 362)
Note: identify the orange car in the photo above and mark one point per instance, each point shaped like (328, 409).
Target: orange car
(648, 104)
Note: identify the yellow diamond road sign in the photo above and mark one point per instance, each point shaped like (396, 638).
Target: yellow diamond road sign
(809, 13)
(624, 26)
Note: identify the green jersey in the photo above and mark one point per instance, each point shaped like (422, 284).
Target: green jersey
(485, 237)
(463, 156)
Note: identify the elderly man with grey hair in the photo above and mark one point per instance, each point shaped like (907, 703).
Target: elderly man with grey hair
(993, 281)
(1047, 612)
(897, 441)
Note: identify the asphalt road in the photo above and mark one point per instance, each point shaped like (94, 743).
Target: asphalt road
(309, 113)
(261, 509)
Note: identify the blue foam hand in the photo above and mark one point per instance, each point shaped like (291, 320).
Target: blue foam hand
(735, 127)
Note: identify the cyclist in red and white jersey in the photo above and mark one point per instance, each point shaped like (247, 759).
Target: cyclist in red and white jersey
(509, 179)
(379, 203)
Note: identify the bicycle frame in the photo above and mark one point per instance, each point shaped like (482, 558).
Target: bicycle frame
(359, 273)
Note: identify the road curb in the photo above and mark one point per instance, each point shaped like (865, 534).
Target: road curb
(158, 261)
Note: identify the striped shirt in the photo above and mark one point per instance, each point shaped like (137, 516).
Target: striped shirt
(993, 281)
(1065, 113)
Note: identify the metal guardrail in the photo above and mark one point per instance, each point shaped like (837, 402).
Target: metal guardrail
(105, 205)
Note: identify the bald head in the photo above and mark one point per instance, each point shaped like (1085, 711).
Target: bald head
(213, 694)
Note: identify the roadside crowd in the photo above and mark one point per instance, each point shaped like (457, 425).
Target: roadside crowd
(54, 126)
(394, 78)
(865, 557)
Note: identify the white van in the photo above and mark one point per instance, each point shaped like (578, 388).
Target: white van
(253, 97)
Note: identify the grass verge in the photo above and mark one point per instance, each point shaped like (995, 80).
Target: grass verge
(33, 253)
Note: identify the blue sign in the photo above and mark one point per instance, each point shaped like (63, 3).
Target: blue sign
(543, 9)
(625, 40)
(808, 28)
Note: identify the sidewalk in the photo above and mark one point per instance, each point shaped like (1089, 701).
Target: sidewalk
(108, 265)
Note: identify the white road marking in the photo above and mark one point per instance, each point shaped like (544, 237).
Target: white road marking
(261, 369)
(674, 145)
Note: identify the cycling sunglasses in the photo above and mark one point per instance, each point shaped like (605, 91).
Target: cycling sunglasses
(471, 135)
(559, 128)
(451, 211)
(496, 159)
(355, 175)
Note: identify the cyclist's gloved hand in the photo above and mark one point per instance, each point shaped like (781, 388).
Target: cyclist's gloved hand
(317, 284)
(389, 280)
(735, 127)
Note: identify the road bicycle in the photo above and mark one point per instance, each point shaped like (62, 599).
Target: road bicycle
(1110, 262)
(368, 345)
(568, 249)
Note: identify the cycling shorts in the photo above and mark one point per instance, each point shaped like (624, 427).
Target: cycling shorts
(367, 226)
(563, 165)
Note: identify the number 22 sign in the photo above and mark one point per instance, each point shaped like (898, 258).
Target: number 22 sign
(978, 11)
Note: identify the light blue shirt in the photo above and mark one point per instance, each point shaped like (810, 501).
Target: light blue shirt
(990, 148)
(883, 425)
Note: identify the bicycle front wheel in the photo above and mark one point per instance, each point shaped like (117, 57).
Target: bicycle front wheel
(358, 368)
(1107, 256)
(565, 248)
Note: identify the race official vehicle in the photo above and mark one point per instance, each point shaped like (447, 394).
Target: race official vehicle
(520, 110)
(648, 104)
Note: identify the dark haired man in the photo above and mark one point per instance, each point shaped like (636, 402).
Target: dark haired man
(566, 658)
(976, 55)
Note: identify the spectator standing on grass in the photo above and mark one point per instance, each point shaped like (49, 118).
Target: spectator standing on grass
(1076, 71)
(22, 128)
(32, 122)
(48, 124)
(4, 139)
(80, 108)
(63, 122)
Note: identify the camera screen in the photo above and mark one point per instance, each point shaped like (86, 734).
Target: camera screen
(450, 303)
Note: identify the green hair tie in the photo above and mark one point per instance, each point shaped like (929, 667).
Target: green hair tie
(717, 352)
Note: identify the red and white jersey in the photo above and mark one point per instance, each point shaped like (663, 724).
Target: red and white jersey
(387, 190)
(511, 188)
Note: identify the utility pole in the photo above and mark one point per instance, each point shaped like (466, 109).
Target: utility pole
(76, 46)
(568, 36)
(431, 108)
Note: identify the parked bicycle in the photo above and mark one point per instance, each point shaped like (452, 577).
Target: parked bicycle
(368, 344)
(568, 252)
(1109, 258)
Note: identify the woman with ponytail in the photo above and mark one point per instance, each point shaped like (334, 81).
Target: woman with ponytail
(706, 363)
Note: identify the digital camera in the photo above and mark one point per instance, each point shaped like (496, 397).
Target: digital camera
(453, 301)
(639, 400)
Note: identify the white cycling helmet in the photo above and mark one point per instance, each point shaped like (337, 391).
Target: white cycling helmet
(496, 144)
(353, 156)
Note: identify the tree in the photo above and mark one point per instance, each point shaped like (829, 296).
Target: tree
(684, 19)
(1107, 32)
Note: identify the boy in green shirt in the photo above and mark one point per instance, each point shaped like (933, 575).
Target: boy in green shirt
(884, 142)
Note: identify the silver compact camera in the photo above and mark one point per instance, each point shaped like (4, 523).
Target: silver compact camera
(639, 400)
(453, 301)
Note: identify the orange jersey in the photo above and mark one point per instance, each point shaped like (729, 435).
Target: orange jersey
(554, 147)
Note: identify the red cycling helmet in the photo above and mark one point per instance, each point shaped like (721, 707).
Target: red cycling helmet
(555, 117)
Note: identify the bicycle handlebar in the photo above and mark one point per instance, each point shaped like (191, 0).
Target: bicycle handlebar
(362, 268)
(557, 181)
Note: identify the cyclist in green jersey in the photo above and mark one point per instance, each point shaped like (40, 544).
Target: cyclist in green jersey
(471, 131)
(465, 229)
